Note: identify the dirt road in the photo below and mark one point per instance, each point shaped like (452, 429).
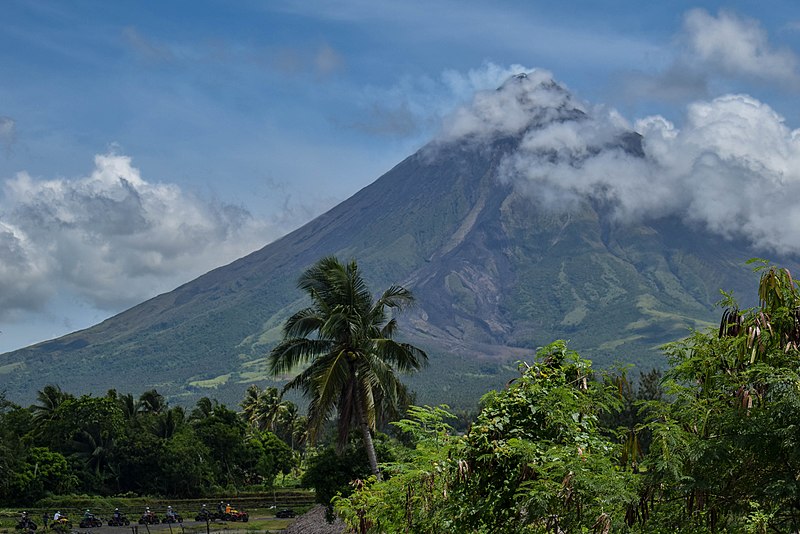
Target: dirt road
(187, 527)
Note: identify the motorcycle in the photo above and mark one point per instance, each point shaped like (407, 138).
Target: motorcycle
(204, 515)
(148, 518)
(90, 522)
(120, 521)
(174, 518)
(26, 524)
(236, 515)
(61, 525)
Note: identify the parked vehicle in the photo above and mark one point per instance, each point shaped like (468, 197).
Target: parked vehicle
(286, 513)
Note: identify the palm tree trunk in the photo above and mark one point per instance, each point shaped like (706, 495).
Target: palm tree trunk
(373, 458)
(367, 434)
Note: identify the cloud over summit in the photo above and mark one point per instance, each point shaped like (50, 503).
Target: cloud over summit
(733, 166)
(523, 99)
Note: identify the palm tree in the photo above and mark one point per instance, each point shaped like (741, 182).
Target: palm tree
(263, 408)
(95, 449)
(250, 401)
(291, 426)
(165, 424)
(50, 398)
(152, 402)
(203, 409)
(346, 339)
(130, 407)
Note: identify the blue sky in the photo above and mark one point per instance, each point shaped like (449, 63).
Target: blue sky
(144, 143)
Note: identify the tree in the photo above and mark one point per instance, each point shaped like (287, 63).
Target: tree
(263, 408)
(42, 471)
(130, 408)
(186, 465)
(50, 398)
(535, 460)
(224, 433)
(292, 427)
(167, 423)
(152, 402)
(85, 430)
(137, 457)
(725, 452)
(330, 471)
(414, 498)
(11, 449)
(274, 457)
(346, 339)
(203, 409)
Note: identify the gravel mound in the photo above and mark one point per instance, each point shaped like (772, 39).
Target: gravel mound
(313, 522)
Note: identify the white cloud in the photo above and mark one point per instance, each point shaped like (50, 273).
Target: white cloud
(112, 238)
(737, 46)
(24, 272)
(523, 99)
(733, 167)
(711, 55)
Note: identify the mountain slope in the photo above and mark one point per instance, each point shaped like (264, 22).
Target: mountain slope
(496, 273)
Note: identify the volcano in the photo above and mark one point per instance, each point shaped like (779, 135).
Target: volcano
(499, 267)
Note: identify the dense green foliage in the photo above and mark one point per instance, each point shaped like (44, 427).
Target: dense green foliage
(330, 471)
(114, 445)
(725, 446)
(534, 460)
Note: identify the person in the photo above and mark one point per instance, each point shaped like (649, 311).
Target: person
(57, 515)
(25, 522)
(170, 513)
(221, 508)
(228, 508)
(87, 514)
(45, 517)
(117, 514)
